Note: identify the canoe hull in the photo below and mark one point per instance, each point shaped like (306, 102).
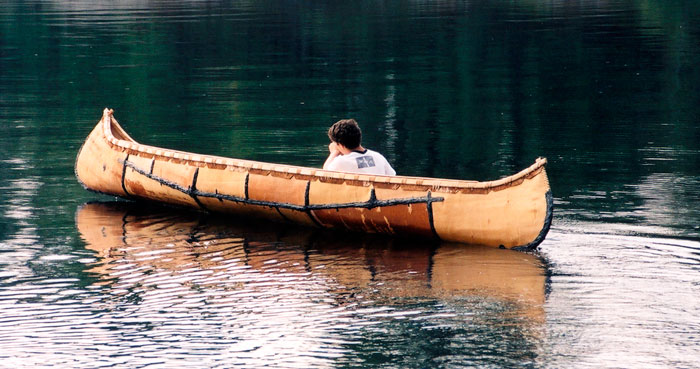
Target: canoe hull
(514, 212)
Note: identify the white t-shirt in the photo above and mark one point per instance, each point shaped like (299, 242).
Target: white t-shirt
(369, 162)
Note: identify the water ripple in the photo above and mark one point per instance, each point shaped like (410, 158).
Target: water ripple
(206, 291)
(622, 293)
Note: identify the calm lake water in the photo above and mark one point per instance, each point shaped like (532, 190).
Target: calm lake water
(608, 91)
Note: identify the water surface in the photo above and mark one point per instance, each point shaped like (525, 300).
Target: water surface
(607, 91)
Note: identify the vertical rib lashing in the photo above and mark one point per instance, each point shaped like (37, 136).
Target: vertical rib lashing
(308, 211)
(193, 189)
(429, 204)
(126, 160)
(247, 178)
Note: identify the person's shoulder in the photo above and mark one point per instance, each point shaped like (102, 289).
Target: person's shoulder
(340, 163)
(375, 153)
(382, 162)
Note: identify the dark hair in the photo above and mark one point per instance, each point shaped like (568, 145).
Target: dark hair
(346, 132)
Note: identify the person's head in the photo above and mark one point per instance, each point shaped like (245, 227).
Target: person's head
(346, 132)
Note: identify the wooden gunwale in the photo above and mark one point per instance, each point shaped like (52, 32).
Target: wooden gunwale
(132, 147)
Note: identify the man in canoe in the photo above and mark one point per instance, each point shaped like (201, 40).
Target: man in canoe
(348, 155)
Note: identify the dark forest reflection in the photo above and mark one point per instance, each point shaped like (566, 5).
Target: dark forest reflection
(470, 90)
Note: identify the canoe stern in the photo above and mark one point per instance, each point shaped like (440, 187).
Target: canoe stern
(516, 215)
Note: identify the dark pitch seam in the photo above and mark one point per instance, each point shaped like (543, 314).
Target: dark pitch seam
(549, 198)
(126, 160)
(193, 190)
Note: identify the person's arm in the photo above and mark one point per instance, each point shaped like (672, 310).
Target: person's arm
(334, 152)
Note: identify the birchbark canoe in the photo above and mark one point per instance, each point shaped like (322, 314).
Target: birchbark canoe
(512, 212)
(187, 242)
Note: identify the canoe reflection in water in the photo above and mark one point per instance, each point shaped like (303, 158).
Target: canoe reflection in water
(156, 259)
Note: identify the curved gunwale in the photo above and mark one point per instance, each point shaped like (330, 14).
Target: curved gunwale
(111, 129)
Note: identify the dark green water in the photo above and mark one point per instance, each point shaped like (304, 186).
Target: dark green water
(607, 91)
